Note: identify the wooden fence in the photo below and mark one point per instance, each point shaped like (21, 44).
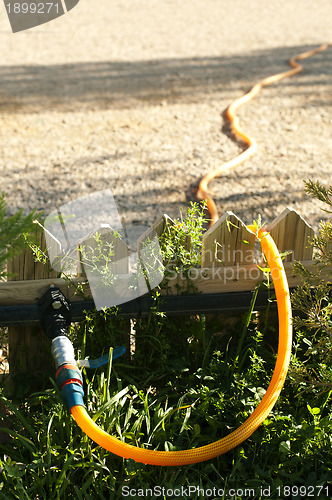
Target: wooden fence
(228, 264)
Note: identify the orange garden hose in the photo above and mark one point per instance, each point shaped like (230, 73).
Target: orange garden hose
(202, 192)
(184, 457)
(236, 437)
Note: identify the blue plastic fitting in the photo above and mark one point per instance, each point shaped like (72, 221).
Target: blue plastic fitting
(73, 394)
(68, 374)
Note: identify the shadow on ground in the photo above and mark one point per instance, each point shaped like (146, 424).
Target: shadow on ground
(102, 85)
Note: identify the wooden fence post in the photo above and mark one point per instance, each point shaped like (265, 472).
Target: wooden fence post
(228, 243)
(292, 233)
(29, 348)
(162, 224)
(101, 252)
(228, 264)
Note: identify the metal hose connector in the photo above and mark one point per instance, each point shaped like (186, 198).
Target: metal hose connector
(62, 351)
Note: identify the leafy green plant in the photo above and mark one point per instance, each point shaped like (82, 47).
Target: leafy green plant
(12, 231)
(313, 299)
(181, 244)
(189, 405)
(189, 381)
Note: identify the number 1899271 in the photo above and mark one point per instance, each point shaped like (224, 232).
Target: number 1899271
(32, 8)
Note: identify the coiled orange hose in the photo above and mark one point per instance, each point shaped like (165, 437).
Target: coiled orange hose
(185, 457)
(202, 192)
(236, 437)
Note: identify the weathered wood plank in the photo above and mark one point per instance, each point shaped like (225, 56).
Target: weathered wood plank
(292, 233)
(215, 280)
(25, 292)
(28, 346)
(227, 243)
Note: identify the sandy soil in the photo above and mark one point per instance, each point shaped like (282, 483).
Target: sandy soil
(130, 94)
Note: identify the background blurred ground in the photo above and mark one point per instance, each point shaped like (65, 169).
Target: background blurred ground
(128, 94)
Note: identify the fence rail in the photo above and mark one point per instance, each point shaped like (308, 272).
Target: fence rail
(228, 265)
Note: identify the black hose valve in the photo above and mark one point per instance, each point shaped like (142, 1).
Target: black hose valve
(54, 313)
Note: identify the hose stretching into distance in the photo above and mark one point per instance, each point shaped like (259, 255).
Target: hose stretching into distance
(232, 119)
(185, 457)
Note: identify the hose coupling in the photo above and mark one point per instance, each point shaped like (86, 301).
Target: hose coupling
(62, 351)
(69, 380)
(54, 313)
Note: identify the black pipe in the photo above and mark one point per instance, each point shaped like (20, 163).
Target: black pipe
(175, 305)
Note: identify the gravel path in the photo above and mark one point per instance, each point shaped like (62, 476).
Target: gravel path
(129, 95)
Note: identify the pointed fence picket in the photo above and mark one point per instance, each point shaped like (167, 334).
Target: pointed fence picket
(227, 243)
(292, 234)
(228, 264)
(28, 350)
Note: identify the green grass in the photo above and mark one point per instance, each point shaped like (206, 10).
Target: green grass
(194, 395)
(190, 381)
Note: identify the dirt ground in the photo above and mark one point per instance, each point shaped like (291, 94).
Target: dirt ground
(129, 95)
